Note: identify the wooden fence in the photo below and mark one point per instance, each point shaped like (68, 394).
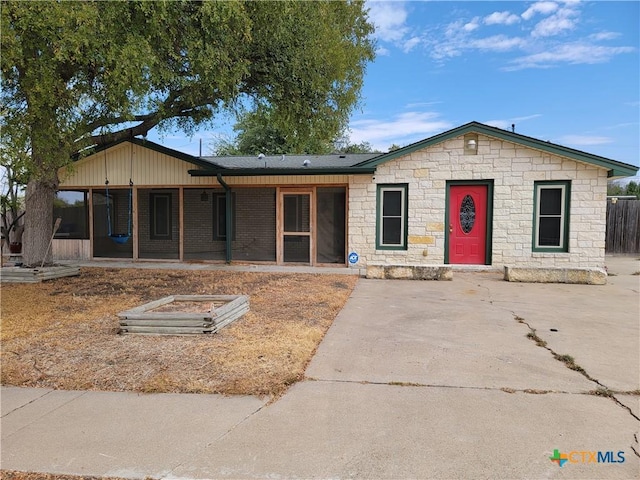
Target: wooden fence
(623, 226)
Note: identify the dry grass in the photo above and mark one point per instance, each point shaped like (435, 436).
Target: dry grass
(14, 475)
(63, 334)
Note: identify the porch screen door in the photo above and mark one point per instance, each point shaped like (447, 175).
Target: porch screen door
(296, 232)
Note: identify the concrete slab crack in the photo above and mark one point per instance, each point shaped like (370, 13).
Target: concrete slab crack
(530, 391)
(28, 403)
(220, 437)
(568, 360)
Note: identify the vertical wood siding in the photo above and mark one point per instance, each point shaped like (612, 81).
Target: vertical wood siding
(69, 249)
(151, 168)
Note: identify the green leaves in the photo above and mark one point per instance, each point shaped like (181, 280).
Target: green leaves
(82, 68)
(83, 73)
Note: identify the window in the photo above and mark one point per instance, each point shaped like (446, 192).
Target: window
(220, 216)
(160, 216)
(71, 206)
(391, 229)
(551, 216)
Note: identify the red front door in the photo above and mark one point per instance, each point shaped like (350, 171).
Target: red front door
(468, 224)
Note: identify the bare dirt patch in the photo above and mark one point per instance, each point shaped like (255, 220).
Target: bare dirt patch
(188, 307)
(63, 334)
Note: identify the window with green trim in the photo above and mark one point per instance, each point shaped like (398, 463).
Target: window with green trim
(391, 228)
(551, 216)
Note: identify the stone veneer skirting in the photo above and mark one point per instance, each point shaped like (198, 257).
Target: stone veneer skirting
(588, 276)
(410, 272)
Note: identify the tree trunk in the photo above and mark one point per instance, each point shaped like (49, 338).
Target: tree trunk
(38, 222)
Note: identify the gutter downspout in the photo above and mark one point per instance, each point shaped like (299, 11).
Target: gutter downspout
(228, 219)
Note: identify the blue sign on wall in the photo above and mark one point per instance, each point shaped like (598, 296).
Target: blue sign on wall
(353, 257)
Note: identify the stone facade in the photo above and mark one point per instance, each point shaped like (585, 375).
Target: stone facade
(513, 169)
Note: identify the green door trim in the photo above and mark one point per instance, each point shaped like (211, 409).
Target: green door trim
(489, 229)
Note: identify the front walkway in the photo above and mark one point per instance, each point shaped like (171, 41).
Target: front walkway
(212, 266)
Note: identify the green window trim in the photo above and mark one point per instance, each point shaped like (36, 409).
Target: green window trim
(392, 222)
(552, 217)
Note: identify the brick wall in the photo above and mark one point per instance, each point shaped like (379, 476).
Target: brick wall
(198, 227)
(255, 225)
(149, 247)
(513, 169)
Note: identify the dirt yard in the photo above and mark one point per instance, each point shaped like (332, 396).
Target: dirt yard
(63, 334)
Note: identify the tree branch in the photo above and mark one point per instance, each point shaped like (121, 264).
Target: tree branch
(151, 120)
(90, 127)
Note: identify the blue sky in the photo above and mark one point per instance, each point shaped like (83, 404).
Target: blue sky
(563, 71)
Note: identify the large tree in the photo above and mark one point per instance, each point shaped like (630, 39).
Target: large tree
(256, 133)
(87, 73)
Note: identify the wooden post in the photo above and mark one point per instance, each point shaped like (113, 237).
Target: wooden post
(181, 222)
(90, 201)
(135, 238)
(279, 227)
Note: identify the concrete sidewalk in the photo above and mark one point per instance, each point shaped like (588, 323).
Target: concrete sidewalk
(413, 380)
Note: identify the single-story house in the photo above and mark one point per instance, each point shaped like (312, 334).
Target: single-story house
(475, 195)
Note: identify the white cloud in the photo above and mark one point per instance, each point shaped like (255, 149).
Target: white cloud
(501, 18)
(540, 45)
(552, 26)
(403, 129)
(382, 52)
(573, 53)
(410, 44)
(420, 104)
(545, 8)
(584, 140)
(453, 29)
(499, 43)
(621, 125)
(561, 21)
(472, 25)
(604, 36)
(506, 124)
(389, 19)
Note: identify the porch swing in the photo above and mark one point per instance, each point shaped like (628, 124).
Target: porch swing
(119, 238)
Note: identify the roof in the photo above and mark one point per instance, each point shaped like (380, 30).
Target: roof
(336, 164)
(614, 168)
(365, 163)
(290, 161)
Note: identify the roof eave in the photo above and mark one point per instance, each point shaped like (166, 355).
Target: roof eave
(613, 167)
(622, 172)
(146, 144)
(269, 172)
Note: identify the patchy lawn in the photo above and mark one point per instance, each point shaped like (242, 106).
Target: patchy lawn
(14, 475)
(63, 334)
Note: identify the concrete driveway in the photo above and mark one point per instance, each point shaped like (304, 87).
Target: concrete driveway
(439, 380)
(413, 380)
